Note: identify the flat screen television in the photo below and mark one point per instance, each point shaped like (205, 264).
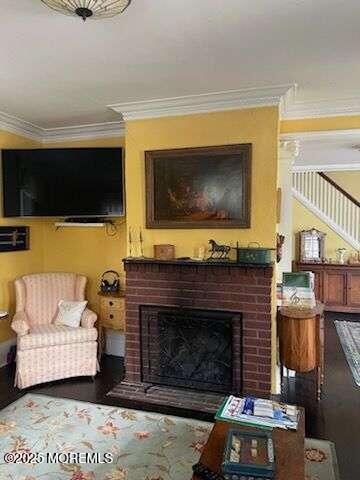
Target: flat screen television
(65, 182)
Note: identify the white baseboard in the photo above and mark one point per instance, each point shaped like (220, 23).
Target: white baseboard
(4, 350)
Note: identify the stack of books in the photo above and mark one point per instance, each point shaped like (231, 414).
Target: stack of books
(298, 290)
(259, 413)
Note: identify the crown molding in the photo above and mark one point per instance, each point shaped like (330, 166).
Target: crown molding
(26, 129)
(294, 109)
(20, 127)
(83, 132)
(202, 103)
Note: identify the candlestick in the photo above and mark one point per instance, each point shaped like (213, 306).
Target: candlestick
(141, 243)
(130, 243)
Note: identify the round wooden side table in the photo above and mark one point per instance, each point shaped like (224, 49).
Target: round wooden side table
(301, 340)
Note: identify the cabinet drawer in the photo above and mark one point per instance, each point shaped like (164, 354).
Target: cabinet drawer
(113, 303)
(111, 318)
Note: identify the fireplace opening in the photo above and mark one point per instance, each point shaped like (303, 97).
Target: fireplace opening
(190, 348)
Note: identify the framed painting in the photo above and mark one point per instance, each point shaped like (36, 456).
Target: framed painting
(205, 187)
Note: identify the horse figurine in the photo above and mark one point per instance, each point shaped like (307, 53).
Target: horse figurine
(218, 251)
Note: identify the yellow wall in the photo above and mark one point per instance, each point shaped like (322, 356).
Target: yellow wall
(256, 126)
(348, 180)
(259, 126)
(88, 251)
(303, 219)
(14, 264)
(85, 250)
(320, 124)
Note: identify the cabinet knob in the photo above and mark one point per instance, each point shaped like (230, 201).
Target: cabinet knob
(111, 303)
(111, 316)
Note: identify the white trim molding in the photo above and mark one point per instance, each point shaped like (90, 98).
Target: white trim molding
(293, 109)
(84, 132)
(20, 127)
(4, 350)
(202, 103)
(328, 167)
(333, 137)
(26, 129)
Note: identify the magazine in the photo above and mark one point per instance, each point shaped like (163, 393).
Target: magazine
(258, 413)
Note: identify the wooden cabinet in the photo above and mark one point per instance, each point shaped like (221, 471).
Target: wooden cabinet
(112, 315)
(354, 289)
(112, 312)
(336, 285)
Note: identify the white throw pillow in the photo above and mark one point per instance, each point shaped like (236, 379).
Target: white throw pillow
(70, 313)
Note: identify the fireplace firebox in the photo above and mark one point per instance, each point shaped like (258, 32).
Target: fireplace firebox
(190, 348)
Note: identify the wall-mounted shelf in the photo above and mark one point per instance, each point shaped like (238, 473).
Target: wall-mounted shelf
(78, 224)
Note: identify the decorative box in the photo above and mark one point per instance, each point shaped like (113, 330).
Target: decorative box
(248, 454)
(254, 255)
(164, 252)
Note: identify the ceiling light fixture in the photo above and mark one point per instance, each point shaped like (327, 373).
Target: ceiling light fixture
(85, 9)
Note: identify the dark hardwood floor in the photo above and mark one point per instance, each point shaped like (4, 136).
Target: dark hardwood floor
(336, 417)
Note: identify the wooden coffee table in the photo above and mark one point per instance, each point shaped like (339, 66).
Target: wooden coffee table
(289, 449)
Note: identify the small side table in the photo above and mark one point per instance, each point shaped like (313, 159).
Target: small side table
(288, 445)
(301, 339)
(112, 315)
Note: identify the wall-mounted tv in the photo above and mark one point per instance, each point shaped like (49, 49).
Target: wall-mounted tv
(65, 182)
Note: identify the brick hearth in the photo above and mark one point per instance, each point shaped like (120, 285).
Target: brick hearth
(220, 286)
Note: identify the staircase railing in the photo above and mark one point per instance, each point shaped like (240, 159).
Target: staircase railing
(332, 204)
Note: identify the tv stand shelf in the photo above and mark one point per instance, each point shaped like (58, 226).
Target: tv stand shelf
(78, 224)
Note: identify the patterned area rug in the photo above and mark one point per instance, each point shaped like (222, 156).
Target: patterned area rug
(320, 460)
(349, 333)
(143, 446)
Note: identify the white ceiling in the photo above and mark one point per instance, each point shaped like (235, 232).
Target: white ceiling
(57, 71)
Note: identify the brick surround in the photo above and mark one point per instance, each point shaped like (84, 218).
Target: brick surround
(223, 286)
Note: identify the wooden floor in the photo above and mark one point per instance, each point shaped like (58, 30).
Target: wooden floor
(335, 418)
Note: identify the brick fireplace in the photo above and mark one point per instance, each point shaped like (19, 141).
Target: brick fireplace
(209, 289)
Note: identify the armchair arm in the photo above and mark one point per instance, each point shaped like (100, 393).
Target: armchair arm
(20, 323)
(88, 318)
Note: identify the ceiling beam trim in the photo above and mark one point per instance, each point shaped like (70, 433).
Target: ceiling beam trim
(294, 109)
(327, 167)
(329, 137)
(311, 144)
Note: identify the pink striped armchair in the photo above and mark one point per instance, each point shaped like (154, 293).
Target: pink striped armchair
(46, 351)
